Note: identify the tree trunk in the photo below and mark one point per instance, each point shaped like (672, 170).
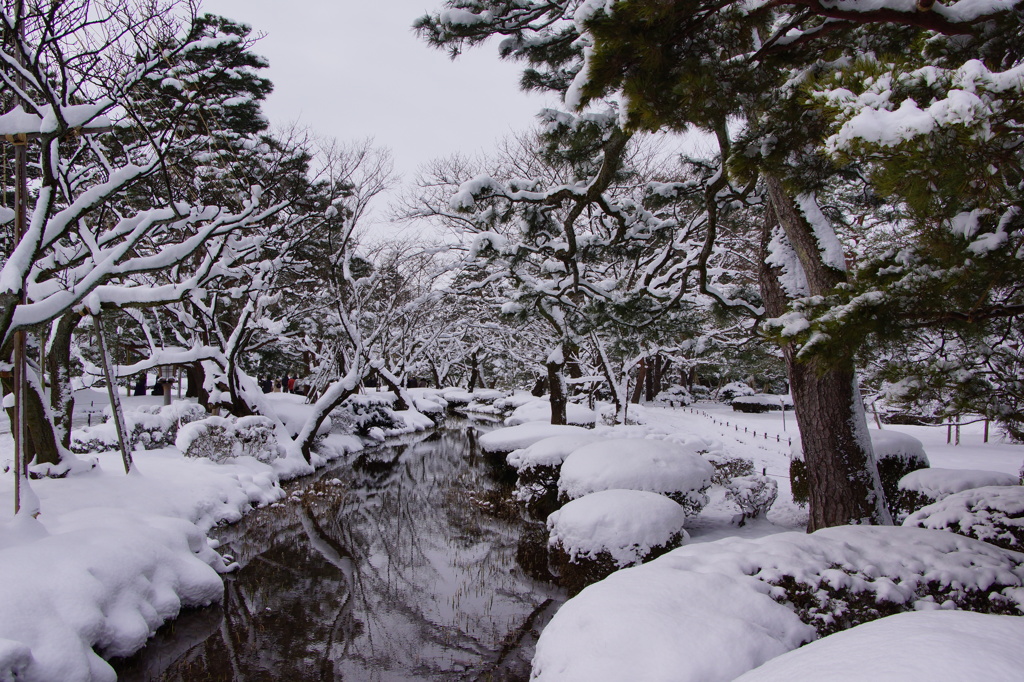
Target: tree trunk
(474, 375)
(653, 385)
(556, 386)
(641, 376)
(841, 469)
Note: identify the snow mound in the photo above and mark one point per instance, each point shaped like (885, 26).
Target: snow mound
(715, 610)
(994, 514)
(889, 444)
(525, 435)
(656, 466)
(925, 646)
(626, 524)
(550, 452)
(539, 410)
(65, 595)
(940, 483)
(658, 624)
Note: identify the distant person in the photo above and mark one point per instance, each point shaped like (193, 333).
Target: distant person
(291, 385)
(277, 385)
(284, 384)
(267, 385)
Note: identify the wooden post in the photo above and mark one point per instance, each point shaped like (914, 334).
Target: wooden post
(986, 431)
(115, 400)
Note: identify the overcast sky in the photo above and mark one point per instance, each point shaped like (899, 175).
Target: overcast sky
(352, 69)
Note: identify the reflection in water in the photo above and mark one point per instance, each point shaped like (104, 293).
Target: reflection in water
(407, 562)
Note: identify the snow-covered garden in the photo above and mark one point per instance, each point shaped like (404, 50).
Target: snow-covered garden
(724, 352)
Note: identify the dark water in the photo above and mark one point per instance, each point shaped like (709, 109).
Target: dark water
(406, 562)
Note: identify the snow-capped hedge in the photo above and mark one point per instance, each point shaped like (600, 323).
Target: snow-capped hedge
(920, 646)
(763, 597)
(897, 455)
(525, 435)
(762, 402)
(994, 514)
(597, 534)
(149, 427)
(921, 488)
(223, 438)
(657, 466)
(539, 410)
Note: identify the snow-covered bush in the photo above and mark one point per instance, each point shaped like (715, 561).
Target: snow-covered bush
(223, 438)
(762, 402)
(766, 596)
(700, 392)
(524, 435)
(597, 534)
(731, 391)
(657, 466)
(897, 454)
(674, 396)
(361, 414)
(754, 495)
(994, 514)
(728, 468)
(923, 487)
(918, 646)
(149, 427)
(537, 466)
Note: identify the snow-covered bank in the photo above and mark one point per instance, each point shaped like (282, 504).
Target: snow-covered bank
(113, 556)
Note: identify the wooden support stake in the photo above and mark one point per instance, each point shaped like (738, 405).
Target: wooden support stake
(115, 400)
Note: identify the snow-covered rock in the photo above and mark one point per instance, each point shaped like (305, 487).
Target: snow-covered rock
(626, 524)
(525, 435)
(993, 513)
(923, 646)
(656, 466)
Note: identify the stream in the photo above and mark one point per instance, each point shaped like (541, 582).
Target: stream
(406, 561)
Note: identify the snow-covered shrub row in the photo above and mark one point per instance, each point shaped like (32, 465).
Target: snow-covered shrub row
(658, 466)
(524, 435)
(918, 489)
(149, 427)
(674, 396)
(762, 402)
(994, 514)
(597, 534)
(754, 495)
(222, 438)
(897, 454)
(919, 646)
(766, 596)
(731, 391)
(728, 468)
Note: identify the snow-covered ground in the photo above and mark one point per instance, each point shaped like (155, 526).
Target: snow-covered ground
(111, 556)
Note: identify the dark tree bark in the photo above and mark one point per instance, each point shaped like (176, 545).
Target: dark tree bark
(556, 386)
(641, 376)
(474, 375)
(843, 477)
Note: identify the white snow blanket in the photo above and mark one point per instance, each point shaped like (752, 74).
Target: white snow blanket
(549, 452)
(923, 646)
(525, 435)
(940, 483)
(704, 612)
(112, 557)
(657, 466)
(627, 524)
